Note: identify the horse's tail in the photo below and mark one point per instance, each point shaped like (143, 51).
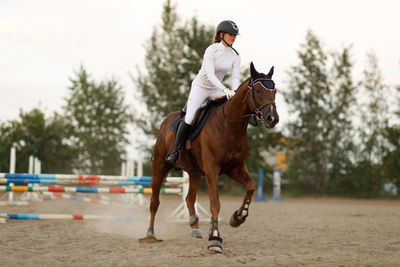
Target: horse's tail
(163, 132)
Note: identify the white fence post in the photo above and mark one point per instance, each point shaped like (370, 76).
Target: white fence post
(12, 170)
(140, 166)
(30, 169)
(37, 168)
(123, 169)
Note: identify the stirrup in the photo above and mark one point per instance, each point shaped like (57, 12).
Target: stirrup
(172, 162)
(172, 158)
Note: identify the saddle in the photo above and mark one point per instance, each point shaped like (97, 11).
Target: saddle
(200, 118)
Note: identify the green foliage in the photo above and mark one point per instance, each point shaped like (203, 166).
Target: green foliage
(321, 97)
(7, 138)
(308, 97)
(98, 120)
(165, 86)
(374, 112)
(44, 138)
(329, 153)
(391, 157)
(173, 57)
(391, 154)
(340, 129)
(374, 120)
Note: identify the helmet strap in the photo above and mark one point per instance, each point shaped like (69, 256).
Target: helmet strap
(222, 38)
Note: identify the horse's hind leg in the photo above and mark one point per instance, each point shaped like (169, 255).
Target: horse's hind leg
(241, 174)
(194, 185)
(214, 238)
(160, 171)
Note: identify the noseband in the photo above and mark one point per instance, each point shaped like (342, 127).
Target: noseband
(257, 110)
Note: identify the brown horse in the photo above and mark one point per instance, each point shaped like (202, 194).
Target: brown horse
(220, 148)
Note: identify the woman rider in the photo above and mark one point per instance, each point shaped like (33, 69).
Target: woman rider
(219, 59)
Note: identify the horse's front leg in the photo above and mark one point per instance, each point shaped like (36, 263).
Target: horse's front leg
(160, 171)
(214, 238)
(194, 186)
(241, 174)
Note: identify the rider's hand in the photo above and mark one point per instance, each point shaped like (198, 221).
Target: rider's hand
(229, 93)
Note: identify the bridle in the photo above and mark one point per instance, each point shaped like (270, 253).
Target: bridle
(259, 115)
(258, 110)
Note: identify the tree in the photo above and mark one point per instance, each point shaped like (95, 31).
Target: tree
(6, 142)
(321, 94)
(391, 157)
(196, 38)
(340, 128)
(308, 97)
(35, 135)
(374, 119)
(164, 88)
(98, 121)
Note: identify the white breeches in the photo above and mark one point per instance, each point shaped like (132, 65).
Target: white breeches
(197, 96)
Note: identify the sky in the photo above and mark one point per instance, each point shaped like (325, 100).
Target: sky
(43, 42)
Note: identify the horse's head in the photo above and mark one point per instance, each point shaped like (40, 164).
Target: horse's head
(262, 90)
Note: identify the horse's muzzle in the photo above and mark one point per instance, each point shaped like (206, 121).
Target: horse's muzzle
(271, 120)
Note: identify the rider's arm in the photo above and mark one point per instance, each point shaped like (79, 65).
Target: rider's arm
(236, 73)
(208, 64)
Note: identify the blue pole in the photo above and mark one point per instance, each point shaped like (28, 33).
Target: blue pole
(260, 187)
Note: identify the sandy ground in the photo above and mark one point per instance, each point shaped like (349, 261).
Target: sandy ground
(296, 232)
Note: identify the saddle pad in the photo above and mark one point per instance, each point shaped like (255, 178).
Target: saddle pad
(199, 121)
(175, 123)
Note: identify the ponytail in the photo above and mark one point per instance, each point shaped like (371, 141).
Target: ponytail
(217, 38)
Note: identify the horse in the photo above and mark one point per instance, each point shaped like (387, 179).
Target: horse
(220, 148)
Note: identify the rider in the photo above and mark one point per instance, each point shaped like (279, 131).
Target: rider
(219, 59)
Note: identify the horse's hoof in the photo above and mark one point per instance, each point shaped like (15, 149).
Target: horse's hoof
(197, 233)
(150, 237)
(235, 221)
(215, 246)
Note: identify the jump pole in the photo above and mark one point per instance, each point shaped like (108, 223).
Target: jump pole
(74, 176)
(71, 182)
(83, 179)
(35, 216)
(260, 186)
(80, 198)
(116, 190)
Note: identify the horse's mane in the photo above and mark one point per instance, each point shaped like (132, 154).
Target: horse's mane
(243, 83)
(223, 98)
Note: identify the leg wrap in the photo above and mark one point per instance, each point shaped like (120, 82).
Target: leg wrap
(214, 232)
(239, 216)
(243, 212)
(193, 219)
(150, 231)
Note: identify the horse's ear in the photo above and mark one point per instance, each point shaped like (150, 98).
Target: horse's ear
(253, 71)
(270, 73)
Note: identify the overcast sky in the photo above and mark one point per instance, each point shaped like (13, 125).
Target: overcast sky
(42, 42)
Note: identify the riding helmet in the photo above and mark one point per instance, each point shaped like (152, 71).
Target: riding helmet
(228, 26)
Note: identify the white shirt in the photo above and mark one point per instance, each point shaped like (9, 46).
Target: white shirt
(218, 60)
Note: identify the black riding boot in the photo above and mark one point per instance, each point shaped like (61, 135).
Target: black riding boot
(181, 133)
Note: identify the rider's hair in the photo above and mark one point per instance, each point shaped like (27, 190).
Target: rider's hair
(217, 38)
